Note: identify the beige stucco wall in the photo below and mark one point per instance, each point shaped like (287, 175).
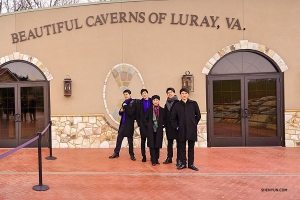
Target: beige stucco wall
(160, 52)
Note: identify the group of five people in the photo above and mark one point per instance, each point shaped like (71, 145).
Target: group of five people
(178, 117)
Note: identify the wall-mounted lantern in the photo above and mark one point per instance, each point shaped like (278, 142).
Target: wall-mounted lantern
(188, 81)
(67, 86)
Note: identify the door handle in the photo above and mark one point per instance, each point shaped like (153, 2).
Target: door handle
(17, 117)
(247, 113)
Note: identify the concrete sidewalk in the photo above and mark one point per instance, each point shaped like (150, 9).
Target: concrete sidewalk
(225, 173)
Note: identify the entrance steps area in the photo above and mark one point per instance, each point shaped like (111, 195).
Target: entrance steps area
(224, 173)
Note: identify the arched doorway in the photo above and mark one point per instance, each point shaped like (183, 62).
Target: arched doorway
(245, 101)
(24, 103)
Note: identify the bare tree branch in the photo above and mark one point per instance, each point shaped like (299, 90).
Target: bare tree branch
(18, 5)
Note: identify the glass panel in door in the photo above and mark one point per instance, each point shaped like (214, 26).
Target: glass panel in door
(7, 113)
(226, 108)
(262, 104)
(32, 111)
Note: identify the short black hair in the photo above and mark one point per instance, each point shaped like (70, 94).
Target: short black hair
(170, 88)
(184, 90)
(144, 90)
(155, 97)
(127, 91)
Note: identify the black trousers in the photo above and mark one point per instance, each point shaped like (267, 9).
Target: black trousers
(170, 149)
(154, 152)
(120, 139)
(143, 146)
(182, 155)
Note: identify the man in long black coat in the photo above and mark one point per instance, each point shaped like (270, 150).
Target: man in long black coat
(143, 106)
(154, 121)
(172, 134)
(185, 117)
(126, 128)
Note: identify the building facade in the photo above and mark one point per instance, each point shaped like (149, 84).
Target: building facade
(69, 65)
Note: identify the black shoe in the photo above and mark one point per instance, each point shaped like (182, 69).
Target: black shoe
(153, 164)
(115, 155)
(132, 158)
(167, 161)
(178, 163)
(144, 159)
(193, 167)
(157, 162)
(182, 166)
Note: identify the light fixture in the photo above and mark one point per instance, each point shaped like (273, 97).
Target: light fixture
(67, 86)
(188, 81)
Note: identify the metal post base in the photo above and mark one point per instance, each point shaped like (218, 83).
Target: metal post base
(50, 158)
(40, 187)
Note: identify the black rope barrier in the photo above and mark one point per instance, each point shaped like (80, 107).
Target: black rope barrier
(50, 143)
(22, 145)
(40, 186)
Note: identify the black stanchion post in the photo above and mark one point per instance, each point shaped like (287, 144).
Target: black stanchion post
(40, 186)
(50, 143)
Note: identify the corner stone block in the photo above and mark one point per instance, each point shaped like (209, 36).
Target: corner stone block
(290, 132)
(244, 44)
(262, 48)
(232, 47)
(38, 64)
(16, 55)
(294, 137)
(62, 119)
(237, 46)
(227, 49)
(77, 120)
(85, 119)
(289, 143)
(6, 59)
(203, 116)
(255, 46)
(2, 60)
(43, 68)
(92, 120)
(212, 61)
(270, 53)
(25, 57)
(250, 45)
(55, 144)
(205, 71)
(280, 62)
(287, 116)
(203, 144)
(283, 68)
(63, 145)
(208, 65)
(222, 53)
(276, 57)
(104, 144)
(11, 57)
(49, 78)
(216, 56)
